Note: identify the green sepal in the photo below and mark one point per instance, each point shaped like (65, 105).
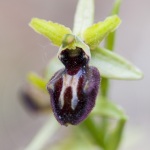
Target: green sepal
(97, 32)
(53, 31)
(84, 16)
(37, 81)
(114, 66)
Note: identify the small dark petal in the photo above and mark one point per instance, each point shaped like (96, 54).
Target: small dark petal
(28, 101)
(34, 99)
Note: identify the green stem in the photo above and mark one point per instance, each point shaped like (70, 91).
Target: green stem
(116, 7)
(44, 135)
(104, 87)
(110, 40)
(109, 44)
(94, 131)
(114, 139)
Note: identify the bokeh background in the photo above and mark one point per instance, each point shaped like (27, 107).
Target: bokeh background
(22, 50)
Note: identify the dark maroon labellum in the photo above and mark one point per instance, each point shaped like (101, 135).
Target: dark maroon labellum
(73, 90)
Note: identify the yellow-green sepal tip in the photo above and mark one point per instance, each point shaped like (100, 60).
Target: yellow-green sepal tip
(97, 32)
(53, 31)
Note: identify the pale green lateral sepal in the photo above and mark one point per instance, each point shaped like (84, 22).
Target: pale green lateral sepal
(53, 31)
(97, 32)
(84, 16)
(114, 66)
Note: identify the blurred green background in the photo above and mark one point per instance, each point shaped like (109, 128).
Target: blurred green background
(22, 50)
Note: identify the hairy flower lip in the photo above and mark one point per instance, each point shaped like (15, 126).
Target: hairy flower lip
(87, 92)
(73, 90)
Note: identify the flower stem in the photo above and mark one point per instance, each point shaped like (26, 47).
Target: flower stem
(110, 40)
(109, 44)
(44, 135)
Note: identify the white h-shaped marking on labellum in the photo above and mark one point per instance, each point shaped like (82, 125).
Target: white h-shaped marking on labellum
(70, 81)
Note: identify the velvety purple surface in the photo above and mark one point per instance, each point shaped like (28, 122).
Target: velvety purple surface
(88, 80)
(86, 98)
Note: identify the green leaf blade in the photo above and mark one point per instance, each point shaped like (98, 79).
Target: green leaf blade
(106, 108)
(53, 31)
(114, 66)
(97, 32)
(113, 138)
